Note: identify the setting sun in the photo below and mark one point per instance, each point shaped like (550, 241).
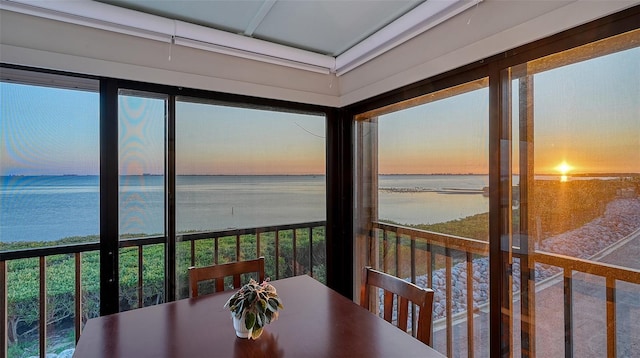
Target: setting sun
(563, 168)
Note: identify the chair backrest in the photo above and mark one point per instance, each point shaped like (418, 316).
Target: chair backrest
(406, 292)
(219, 272)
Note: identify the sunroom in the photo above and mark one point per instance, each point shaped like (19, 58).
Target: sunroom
(488, 150)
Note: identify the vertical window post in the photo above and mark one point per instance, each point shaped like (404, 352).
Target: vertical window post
(109, 302)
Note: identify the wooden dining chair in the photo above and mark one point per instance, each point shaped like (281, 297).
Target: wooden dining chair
(406, 292)
(219, 272)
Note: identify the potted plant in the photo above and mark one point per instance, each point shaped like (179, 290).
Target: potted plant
(252, 307)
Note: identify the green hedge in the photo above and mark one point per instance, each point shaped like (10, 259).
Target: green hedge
(23, 276)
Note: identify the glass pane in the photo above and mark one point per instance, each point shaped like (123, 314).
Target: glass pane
(49, 166)
(422, 172)
(254, 180)
(49, 196)
(141, 141)
(582, 206)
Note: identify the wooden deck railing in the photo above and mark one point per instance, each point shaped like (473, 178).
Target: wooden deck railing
(78, 250)
(611, 274)
(454, 249)
(398, 240)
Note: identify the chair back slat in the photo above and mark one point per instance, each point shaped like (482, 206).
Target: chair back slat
(219, 272)
(388, 306)
(403, 312)
(406, 292)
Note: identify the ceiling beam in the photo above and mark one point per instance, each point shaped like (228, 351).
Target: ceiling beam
(422, 18)
(259, 17)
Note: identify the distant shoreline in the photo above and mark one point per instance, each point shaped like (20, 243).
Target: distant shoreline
(581, 175)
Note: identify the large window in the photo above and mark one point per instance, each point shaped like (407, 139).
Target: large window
(426, 205)
(576, 115)
(562, 179)
(49, 196)
(241, 171)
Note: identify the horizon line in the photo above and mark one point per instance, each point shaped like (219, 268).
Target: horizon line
(324, 174)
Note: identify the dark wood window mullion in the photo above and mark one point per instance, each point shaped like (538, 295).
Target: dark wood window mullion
(499, 321)
(109, 257)
(170, 206)
(527, 270)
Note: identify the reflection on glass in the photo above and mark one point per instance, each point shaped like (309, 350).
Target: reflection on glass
(141, 142)
(423, 175)
(583, 209)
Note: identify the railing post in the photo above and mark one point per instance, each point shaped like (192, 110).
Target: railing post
(414, 331)
(470, 329)
(430, 262)
(4, 333)
(238, 258)
(611, 317)
(257, 243)
(568, 314)
(277, 252)
(140, 276)
(449, 302)
(397, 255)
(42, 319)
(193, 252)
(385, 250)
(311, 251)
(216, 252)
(78, 302)
(295, 249)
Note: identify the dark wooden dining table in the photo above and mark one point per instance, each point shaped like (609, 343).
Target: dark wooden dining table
(315, 322)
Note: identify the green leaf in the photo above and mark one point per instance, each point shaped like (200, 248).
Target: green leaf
(274, 304)
(259, 321)
(256, 333)
(249, 320)
(262, 305)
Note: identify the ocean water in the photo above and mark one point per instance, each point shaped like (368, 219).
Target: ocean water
(432, 202)
(45, 208)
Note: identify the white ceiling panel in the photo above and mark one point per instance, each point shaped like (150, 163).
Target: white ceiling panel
(227, 15)
(328, 27)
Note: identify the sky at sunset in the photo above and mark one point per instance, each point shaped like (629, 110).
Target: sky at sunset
(213, 139)
(586, 114)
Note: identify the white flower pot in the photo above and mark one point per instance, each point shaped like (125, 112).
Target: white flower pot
(240, 327)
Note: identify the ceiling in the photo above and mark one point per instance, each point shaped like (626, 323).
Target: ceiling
(325, 68)
(328, 27)
(324, 36)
